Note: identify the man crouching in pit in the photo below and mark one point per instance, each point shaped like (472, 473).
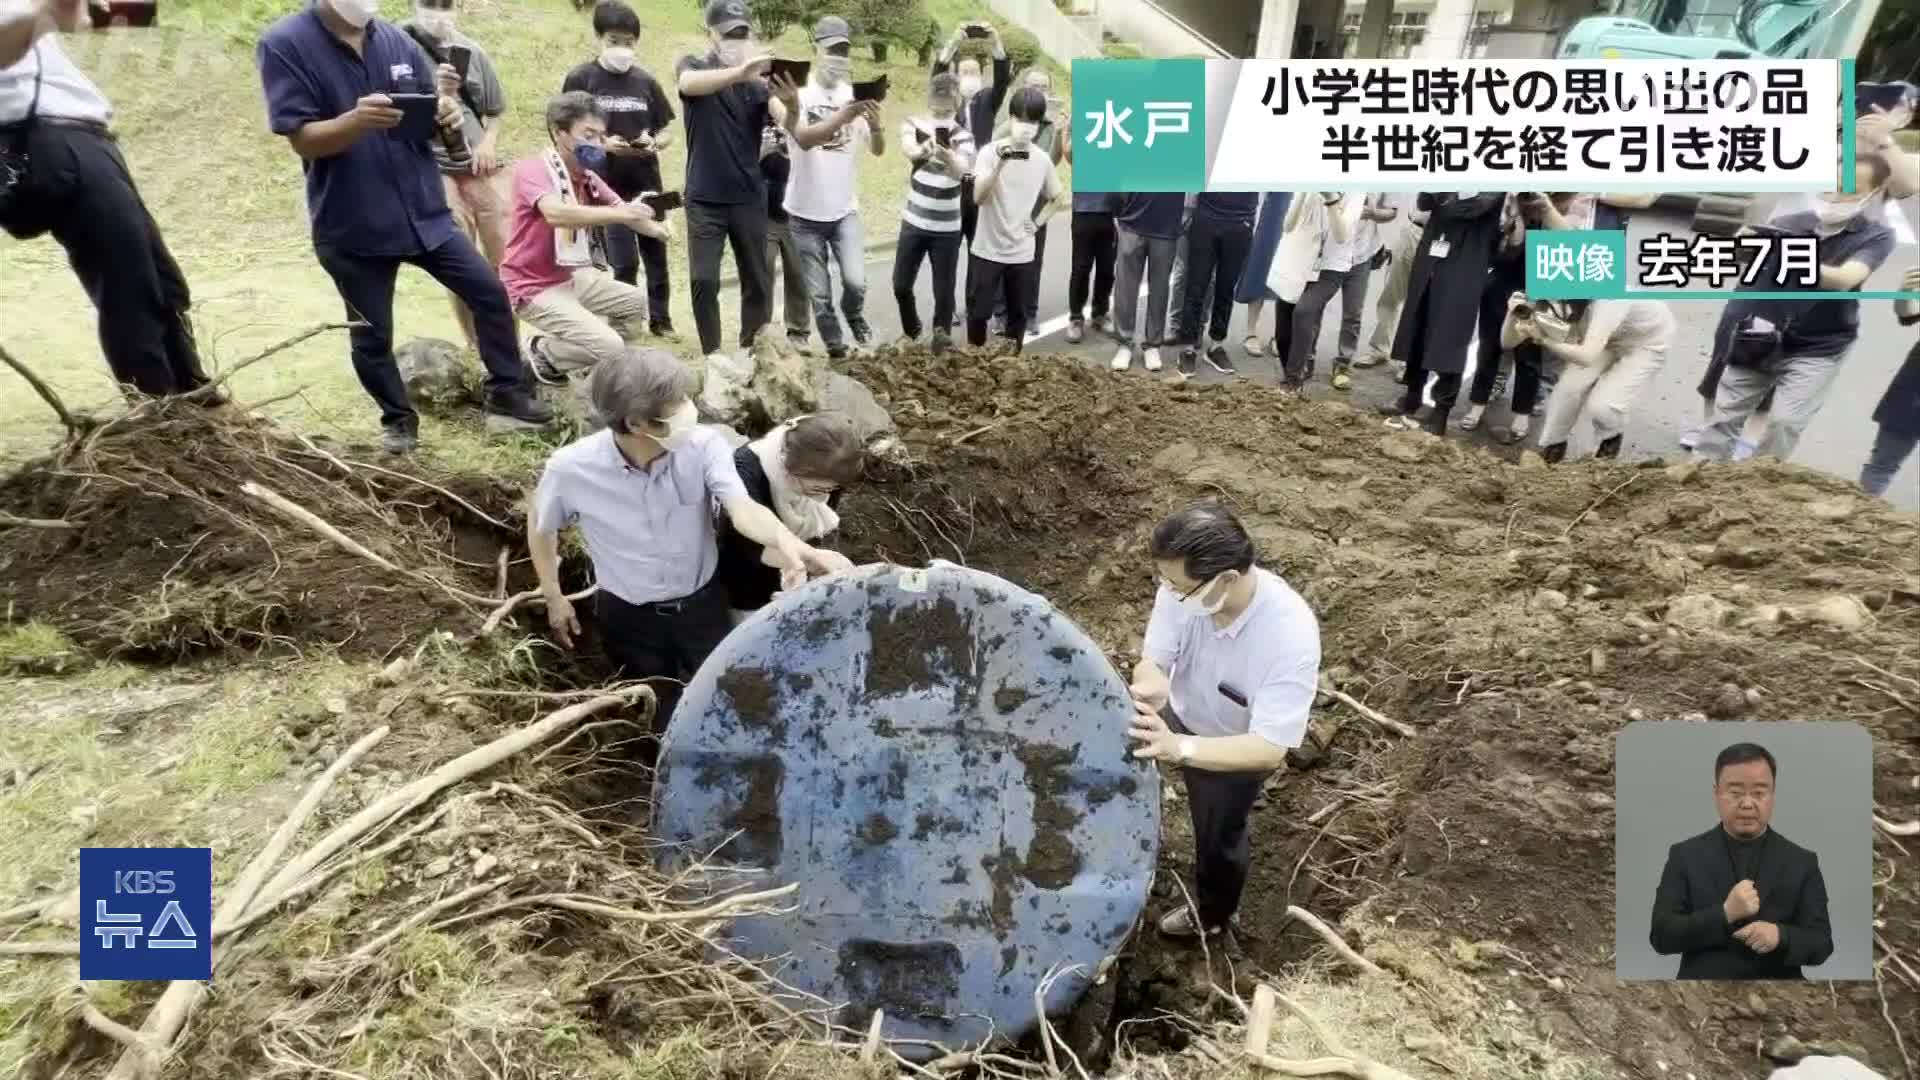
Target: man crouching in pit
(1224, 684)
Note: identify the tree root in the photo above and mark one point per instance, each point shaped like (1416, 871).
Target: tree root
(530, 596)
(1334, 940)
(1374, 715)
(1341, 1060)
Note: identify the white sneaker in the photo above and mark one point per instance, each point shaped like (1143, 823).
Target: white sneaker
(1123, 359)
(1152, 359)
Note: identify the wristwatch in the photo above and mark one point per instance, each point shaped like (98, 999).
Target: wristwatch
(1189, 746)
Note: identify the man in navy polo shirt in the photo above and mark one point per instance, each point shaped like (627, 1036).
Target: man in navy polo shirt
(376, 199)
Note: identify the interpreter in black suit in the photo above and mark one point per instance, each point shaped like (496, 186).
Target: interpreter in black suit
(1740, 901)
(797, 470)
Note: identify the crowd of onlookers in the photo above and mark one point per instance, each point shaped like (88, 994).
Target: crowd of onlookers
(398, 128)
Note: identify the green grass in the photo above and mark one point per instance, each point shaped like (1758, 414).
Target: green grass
(34, 646)
(230, 198)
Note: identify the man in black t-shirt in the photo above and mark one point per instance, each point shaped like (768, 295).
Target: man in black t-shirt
(638, 115)
(726, 105)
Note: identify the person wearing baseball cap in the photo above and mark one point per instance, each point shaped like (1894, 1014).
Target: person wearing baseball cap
(822, 208)
(726, 104)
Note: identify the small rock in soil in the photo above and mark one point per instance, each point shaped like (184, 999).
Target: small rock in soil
(1786, 1049)
(1843, 612)
(1697, 611)
(1549, 600)
(1407, 446)
(1728, 703)
(438, 867)
(484, 865)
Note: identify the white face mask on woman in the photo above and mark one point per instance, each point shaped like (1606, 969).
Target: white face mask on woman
(356, 13)
(617, 58)
(833, 70)
(1835, 214)
(1023, 131)
(969, 85)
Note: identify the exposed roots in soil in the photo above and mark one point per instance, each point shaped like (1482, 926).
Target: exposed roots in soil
(169, 548)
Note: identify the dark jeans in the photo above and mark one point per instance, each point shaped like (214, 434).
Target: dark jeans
(988, 281)
(711, 228)
(1503, 281)
(1220, 804)
(1891, 449)
(79, 189)
(798, 306)
(943, 250)
(662, 641)
(824, 245)
(1032, 293)
(627, 251)
(1095, 245)
(366, 284)
(1217, 251)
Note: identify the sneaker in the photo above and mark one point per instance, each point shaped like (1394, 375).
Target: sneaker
(663, 330)
(1218, 360)
(1123, 359)
(1342, 380)
(1180, 923)
(1151, 358)
(1189, 363)
(1369, 361)
(1102, 325)
(801, 344)
(517, 410)
(1690, 439)
(941, 342)
(907, 341)
(401, 439)
(1076, 332)
(542, 364)
(862, 335)
(836, 352)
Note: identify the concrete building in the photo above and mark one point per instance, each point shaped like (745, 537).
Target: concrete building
(1358, 29)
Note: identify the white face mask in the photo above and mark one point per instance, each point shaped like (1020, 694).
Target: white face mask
(617, 58)
(834, 69)
(434, 21)
(1023, 132)
(969, 85)
(680, 425)
(1836, 215)
(732, 51)
(356, 13)
(1198, 604)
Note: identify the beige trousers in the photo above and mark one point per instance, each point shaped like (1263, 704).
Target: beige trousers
(587, 320)
(1597, 397)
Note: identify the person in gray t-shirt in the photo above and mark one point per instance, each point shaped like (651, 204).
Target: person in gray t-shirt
(468, 178)
(1011, 177)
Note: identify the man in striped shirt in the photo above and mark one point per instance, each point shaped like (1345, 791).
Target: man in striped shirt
(940, 152)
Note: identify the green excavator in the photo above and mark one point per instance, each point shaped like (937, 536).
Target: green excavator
(1719, 30)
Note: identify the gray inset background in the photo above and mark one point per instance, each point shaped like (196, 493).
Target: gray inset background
(1823, 801)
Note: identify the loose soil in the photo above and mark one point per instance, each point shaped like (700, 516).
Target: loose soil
(167, 558)
(1517, 614)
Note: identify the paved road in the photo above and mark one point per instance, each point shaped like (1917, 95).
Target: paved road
(1837, 442)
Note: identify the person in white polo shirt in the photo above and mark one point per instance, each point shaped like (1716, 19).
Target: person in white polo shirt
(1227, 676)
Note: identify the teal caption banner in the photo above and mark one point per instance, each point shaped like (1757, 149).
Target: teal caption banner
(1140, 125)
(1575, 264)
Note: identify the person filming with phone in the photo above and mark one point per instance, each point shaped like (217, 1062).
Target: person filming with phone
(584, 314)
(362, 105)
(725, 103)
(62, 173)
(468, 164)
(980, 98)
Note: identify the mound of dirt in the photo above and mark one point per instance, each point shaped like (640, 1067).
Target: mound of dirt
(164, 554)
(1519, 615)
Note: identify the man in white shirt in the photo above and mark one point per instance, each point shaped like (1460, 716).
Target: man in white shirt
(822, 207)
(1226, 678)
(61, 173)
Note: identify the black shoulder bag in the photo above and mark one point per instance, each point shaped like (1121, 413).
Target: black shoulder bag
(16, 162)
(1757, 349)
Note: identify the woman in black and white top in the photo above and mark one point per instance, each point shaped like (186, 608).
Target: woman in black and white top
(797, 470)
